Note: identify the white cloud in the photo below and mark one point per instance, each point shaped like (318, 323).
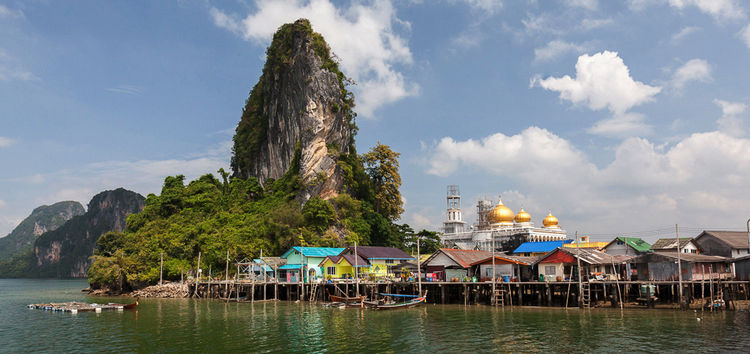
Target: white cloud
(5, 142)
(586, 4)
(730, 123)
(363, 36)
(14, 73)
(602, 81)
(5, 12)
(588, 24)
(693, 70)
(745, 35)
(555, 49)
(620, 126)
(2, 203)
(646, 184)
(489, 7)
(684, 32)
(719, 9)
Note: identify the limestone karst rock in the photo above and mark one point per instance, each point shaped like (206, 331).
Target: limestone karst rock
(299, 106)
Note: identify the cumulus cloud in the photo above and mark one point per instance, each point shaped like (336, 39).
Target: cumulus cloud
(646, 183)
(5, 142)
(718, 9)
(602, 81)
(555, 49)
(730, 122)
(621, 126)
(363, 36)
(693, 70)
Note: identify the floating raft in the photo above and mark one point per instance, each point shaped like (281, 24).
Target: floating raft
(75, 307)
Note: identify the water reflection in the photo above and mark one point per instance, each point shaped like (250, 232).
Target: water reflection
(212, 326)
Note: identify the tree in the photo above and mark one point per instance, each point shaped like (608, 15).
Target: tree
(382, 167)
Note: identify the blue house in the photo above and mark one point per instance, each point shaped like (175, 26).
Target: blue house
(538, 248)
(307, 258)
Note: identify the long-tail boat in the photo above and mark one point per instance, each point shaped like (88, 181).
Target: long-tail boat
(413, 300)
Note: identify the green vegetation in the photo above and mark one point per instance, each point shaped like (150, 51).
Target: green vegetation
(236, 215)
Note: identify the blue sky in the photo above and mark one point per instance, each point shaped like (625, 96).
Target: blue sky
(619, 117)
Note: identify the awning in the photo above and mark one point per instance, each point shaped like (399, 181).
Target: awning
(290, 266)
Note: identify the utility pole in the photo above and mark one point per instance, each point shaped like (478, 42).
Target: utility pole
(679, 262)
(494, 298)
(419, 269)
(161, 268)
(198, 268)
(302, 271)
(356, 275)
(226, 275)
(580, 282)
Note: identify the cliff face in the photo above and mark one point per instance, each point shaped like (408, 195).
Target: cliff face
(65, 252)
(299, 105)
(42, 219)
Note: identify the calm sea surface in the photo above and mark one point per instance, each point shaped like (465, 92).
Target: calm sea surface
(185, 325)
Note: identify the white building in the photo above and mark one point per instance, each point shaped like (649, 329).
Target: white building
(500, 223)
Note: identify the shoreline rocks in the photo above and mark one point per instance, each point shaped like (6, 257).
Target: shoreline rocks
(166, 290)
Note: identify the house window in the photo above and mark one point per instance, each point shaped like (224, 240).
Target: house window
(389, 261)
(331, 270)
(549, 270)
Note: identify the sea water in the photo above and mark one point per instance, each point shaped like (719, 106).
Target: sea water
(198, 325)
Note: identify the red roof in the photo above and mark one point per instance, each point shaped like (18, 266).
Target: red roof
(502, 260)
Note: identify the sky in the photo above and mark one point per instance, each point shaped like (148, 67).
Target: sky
(620, 118)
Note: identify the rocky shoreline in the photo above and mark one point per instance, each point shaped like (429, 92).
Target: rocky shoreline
(165, 290)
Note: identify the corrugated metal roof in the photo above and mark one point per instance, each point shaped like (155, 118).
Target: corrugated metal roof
(290, 266)
(670, 243)
(315, 251)
(591, 256)
(536, 247)
(464, 258)
(379, 252)
(637, 243)
(349, 258)
(736, 239)
(687, 257)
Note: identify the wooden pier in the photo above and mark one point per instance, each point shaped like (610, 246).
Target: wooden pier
(555, 294)
(534, 293)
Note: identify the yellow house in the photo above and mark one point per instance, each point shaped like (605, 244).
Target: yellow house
(342, 267)
(381, 261)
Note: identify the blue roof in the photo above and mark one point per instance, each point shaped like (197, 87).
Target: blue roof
(290, 266)
(321, 252)
(545, 246)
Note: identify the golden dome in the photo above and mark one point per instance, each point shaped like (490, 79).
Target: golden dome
(500, 214)
(550, 222)
(523, 216)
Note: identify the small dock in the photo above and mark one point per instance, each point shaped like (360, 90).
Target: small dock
(75, 307)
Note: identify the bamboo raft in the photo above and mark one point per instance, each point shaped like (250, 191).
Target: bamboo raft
(75, 307)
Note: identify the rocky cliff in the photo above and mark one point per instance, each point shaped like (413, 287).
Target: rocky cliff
(66, 252)
(42, 219)
(299, 109)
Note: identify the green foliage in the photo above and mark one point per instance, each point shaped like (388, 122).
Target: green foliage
(319, 214)
(382, 167)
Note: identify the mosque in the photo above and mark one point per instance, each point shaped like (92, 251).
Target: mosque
(495, 222)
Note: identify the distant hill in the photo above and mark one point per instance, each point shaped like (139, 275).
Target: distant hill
(42, 219)
(66, 251)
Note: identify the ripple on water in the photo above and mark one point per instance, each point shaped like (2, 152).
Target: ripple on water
(179, 325)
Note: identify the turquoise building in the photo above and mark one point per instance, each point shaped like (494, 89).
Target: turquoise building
(308, 258)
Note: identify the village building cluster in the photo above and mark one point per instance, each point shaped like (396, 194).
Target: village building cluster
(522, 252)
